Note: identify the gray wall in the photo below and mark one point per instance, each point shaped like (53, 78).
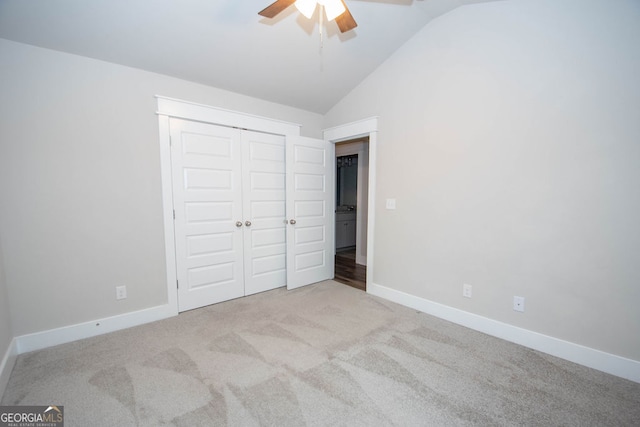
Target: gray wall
(6, 334)
(510, 137)
(80, 186)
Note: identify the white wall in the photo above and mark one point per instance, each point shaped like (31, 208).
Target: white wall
(510, 137)
(80, 186)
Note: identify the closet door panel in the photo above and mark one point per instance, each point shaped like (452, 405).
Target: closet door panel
(263, 170)
(207, 192)
(310, 209)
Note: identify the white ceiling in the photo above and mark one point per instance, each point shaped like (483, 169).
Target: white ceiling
(225, 43)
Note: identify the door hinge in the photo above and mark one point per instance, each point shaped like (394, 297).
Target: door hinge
(174, 214)
(170, 141)
(177, 285)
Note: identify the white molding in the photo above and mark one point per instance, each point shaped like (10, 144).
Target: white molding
(51, 337)
(7, 364)
(592, 358)
(358, 148)
(167, 210)
(352, 130)
(371, 219)
(366, 127)
(204, 113)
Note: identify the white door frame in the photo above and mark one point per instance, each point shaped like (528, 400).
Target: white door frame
(367, 127)
(358, 147)
(169, 107)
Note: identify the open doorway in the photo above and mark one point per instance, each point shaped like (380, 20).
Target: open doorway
(352, 182)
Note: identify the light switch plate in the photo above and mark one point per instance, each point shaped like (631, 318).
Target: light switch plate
(466, 290)
(391, 203)
(121, 292)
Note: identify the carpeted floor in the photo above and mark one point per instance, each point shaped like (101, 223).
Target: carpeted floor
(321, 355)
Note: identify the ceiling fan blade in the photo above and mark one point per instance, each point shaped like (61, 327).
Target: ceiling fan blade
(275, 8)
(345, 21)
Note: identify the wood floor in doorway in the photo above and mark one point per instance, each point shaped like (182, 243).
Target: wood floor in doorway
(350, 273)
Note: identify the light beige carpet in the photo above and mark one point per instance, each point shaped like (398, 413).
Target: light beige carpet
(322, 355)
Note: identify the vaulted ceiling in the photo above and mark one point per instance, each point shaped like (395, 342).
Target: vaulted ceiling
(225, 44)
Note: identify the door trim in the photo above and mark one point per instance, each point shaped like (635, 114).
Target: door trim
(358, 147)
(176, 108)
(362, 128)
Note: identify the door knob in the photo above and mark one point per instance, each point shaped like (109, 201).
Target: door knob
(238, 223)
(247, 223)
(292, 221)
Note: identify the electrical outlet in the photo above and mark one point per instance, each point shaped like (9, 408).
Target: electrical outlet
(466, 290)
(518, 303)
(391, 204)
(121, 292)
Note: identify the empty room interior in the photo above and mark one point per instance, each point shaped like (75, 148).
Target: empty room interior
(175, 204)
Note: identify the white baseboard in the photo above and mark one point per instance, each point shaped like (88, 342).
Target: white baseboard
(6, 366)
(44, 339)
(596, 359)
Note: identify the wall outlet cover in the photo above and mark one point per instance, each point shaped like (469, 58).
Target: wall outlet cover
(518, 303)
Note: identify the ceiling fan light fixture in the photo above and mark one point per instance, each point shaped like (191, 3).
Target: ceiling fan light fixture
(306, 7)
(333, 8)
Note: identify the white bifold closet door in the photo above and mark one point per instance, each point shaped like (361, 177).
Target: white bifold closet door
(263, 184)
(310, 206)
(229, 201)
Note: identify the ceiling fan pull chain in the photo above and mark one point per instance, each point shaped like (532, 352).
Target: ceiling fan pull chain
(320, 16)
(320, 30)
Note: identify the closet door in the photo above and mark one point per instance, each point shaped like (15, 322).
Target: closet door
(263, 184)
(207, 198)
(310, 211)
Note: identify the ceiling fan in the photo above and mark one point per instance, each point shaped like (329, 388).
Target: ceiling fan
(335, 9)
